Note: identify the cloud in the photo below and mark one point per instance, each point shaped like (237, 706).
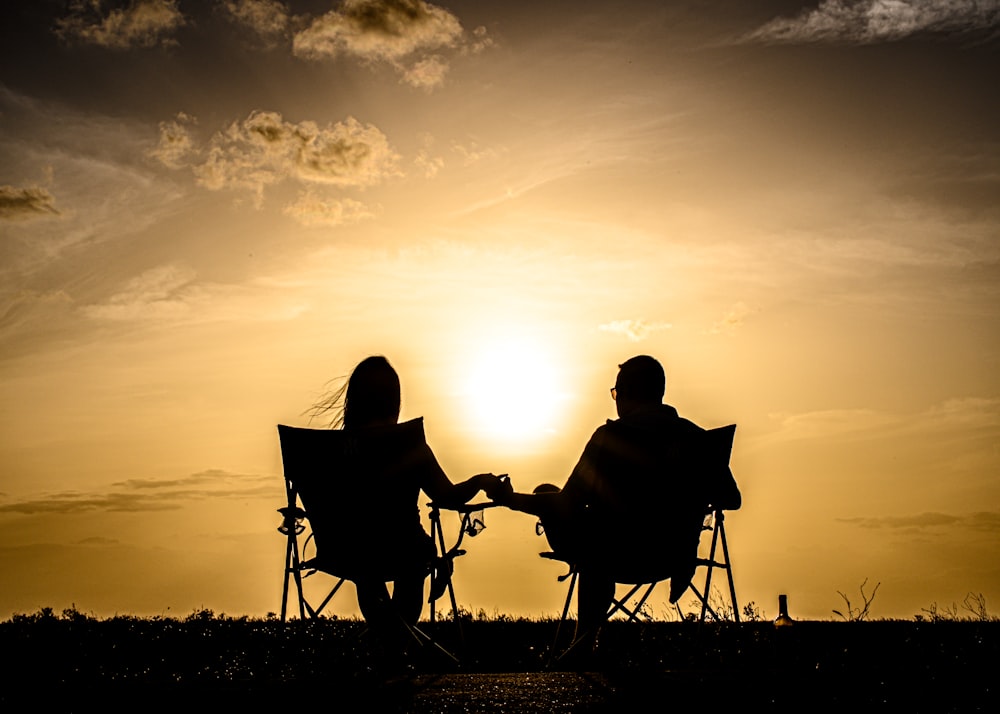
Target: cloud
(169, 294)
(175, 143)
(141, 23)
(828, 424)
(982, 520)
(969, 412)
(196, 479)
(69, 503)
(966, 416)
(378, 30)
(264, 149)
(18, 204)
(312, 210)
(871, 21)
(406, 34)
(139, 495)
(732, 320)
(156, 292)
(32, 309)
(268, 19)
(922, 520)
(427, 73)
(473, 154)
(429, 165)
(635, 330)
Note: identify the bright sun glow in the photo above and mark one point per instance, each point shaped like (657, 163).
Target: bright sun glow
(514, 391)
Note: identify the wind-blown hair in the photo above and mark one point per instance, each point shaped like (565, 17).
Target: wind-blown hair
(370, 395)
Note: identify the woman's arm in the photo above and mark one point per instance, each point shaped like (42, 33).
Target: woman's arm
(446, 494)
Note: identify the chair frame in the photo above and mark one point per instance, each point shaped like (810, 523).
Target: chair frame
(296, 568)
(718, 558)
(292, 526)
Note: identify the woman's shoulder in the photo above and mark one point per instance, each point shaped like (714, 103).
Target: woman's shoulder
(404, 434)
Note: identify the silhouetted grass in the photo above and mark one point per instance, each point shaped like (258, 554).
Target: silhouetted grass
(935, 666)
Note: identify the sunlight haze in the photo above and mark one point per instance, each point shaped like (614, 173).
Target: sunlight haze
(212, 211)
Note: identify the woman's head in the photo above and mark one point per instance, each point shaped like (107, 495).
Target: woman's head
(372, 395)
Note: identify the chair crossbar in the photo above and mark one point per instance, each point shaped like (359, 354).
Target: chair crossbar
(718, 558)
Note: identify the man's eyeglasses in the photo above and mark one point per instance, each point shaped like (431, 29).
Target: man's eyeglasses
(614, 393)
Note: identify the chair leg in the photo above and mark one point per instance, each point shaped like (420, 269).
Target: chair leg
(437, 536)
(718, 538)
(424, 639)
(287, 574)
(329, 596)
(292, 571)
(562, 620)
(622, 603)
(729, 572)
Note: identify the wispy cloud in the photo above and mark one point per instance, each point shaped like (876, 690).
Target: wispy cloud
(732, 320)
(31, 308)
(406, 34)
(965, 415)
(176, 144)
(831, 423)
(871, 21)
(634, 330)
(18, 204)
(264, 149)
(427, 164)
(154, 292)
(427, 73)
(982, 520)
(313, 210)
(473, 153)
(171, 294)
(141, 23)
(267, 19)
(138, 495)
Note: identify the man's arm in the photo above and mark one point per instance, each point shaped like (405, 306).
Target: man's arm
(536, 504)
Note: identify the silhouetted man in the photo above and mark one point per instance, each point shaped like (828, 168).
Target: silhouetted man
(644, 477)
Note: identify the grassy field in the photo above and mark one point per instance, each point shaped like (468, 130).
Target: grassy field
(204, 659)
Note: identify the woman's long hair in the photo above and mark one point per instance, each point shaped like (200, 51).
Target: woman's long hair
(370, 395)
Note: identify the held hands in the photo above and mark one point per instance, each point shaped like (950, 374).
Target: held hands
(498, 488)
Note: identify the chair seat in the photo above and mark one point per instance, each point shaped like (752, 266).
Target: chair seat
(679, 574)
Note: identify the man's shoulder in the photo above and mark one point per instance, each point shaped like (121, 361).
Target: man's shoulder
(663, 418)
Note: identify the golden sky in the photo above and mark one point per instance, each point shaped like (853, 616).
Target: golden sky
(208, 210)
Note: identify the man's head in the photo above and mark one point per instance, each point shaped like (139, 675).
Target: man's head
(641, 383)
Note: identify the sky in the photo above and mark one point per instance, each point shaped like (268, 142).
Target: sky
(211, 211)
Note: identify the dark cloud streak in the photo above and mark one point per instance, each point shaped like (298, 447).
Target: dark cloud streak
(982, 520)
(18, 204)
(142, 495)
(874, 21)
(140, 23)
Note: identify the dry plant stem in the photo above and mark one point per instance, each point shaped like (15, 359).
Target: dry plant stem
(857, 614)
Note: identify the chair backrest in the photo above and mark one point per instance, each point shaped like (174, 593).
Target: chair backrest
(658, 532)
(358, 493)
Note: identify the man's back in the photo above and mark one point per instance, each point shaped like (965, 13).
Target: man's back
(643, 486)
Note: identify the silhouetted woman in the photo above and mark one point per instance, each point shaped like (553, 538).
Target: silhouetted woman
(382, 467)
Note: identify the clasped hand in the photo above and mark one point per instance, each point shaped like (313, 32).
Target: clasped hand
(496, 488)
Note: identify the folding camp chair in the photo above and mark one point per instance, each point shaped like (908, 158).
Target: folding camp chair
(324, 492)
(472, 522)
(640, 585)
(294, 524)
(717, 557)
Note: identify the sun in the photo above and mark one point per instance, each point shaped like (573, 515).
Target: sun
(513, 391)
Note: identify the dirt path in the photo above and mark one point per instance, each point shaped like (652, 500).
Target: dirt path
(511, 693)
